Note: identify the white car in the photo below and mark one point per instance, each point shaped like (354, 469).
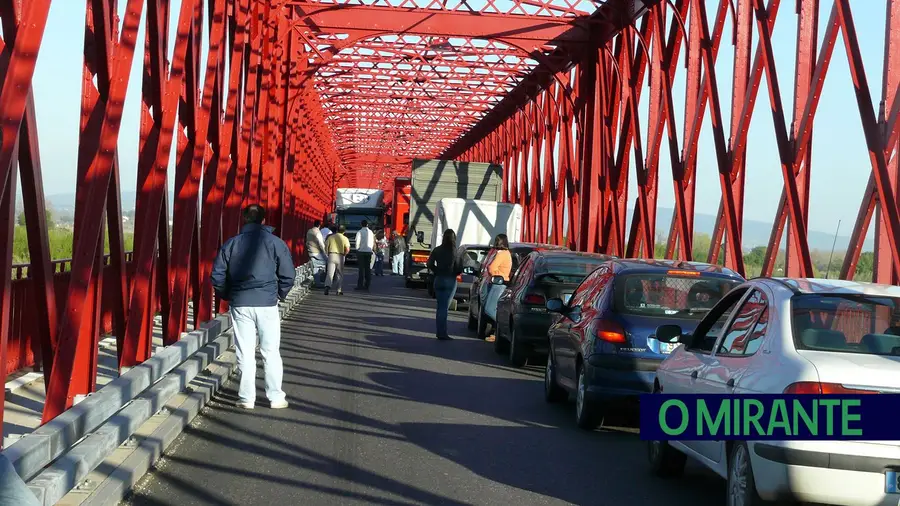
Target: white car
(790, 336)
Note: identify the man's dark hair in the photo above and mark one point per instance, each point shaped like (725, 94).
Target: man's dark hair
(317, 223)
(254, 213)
(365, 223)
(342, 229)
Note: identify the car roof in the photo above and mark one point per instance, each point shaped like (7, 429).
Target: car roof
(536, 246)
(475, 246)
(836, 286)
(566, 254)
(635, 265)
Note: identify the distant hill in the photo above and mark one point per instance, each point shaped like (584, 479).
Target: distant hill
(64, 203)
(756, 233)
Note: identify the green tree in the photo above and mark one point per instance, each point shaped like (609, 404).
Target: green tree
(20, 220)
(48, 216)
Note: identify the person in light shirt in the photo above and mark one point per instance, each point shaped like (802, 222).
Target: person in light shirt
(336, 246)
(315, 249)
(365, 248)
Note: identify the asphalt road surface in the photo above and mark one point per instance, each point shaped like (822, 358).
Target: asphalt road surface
(383, 414)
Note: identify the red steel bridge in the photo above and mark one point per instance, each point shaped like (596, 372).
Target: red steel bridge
(297, 97)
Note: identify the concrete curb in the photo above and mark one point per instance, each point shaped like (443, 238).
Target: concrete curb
(58, 458)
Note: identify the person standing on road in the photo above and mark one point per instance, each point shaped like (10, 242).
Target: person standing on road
(398, 248)
(315, 248)
(253, 271)
(381, 247)
(365, 245)
(336, 246)
(326, 231)
(446, 266)
(500, 266)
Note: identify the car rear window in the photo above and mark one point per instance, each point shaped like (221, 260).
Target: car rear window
(846, 323)
(568, 270)
(686, 295)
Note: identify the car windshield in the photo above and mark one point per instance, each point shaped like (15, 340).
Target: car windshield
(568, 270)
(352, 221)
(846, 323)
(679, 296)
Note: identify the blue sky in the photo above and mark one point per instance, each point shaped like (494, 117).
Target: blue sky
(840, 161)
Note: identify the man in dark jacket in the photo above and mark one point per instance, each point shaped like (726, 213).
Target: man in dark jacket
(253, 271)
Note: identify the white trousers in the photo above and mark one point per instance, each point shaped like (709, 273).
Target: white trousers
(266, 322)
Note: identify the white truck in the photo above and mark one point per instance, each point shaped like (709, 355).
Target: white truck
(476, 221)
(352, 206)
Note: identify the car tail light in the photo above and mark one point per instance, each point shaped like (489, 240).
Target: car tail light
(459, 277)
(608, 331)
(419, 259)
(534, 299)
(814, 387)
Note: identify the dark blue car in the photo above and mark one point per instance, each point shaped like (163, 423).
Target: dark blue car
(602, 340)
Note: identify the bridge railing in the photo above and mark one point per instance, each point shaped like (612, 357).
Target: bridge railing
(23, 346)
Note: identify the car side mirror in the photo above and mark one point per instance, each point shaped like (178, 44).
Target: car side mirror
(498, 280)
(669, 334)
(555, 305)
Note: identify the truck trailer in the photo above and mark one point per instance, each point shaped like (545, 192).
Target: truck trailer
(353, 206)
(477, 221)
(433, 180)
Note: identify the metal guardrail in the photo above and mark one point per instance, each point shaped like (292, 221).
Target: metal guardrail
(57, 456)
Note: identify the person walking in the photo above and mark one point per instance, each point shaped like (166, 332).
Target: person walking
(446, 267)
(501, 266)
(253, 271)
(315, 249)
(326, 231)
(365, 246)
(398, 251)
(336, 246)
(381, 247)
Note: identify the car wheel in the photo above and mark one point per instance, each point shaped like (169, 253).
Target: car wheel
(665, 461)
(518, 354)
(553, 393)
(587, 414)
(741, 485)
(408, 283)
(473, 322)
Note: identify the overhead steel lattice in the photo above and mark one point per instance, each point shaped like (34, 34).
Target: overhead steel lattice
(403, 79)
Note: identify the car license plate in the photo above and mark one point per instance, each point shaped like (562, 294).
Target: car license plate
(891, 478)
(666, 348)
(566, 297)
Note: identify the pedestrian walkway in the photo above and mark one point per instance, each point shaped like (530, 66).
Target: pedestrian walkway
(382, 413)
(25, 390)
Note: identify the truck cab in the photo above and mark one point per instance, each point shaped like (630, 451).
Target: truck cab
(355, 205)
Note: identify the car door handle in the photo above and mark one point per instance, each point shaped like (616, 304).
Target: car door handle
(730, 383)
(693, 374)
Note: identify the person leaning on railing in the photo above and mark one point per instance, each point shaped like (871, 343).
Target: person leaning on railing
(14, 491)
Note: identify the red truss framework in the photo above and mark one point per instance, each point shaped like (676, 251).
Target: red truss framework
(591, 114)
(266, 119)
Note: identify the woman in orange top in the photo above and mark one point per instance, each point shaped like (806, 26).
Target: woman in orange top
(501, 265)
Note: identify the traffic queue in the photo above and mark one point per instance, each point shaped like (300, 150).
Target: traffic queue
(607, 330)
